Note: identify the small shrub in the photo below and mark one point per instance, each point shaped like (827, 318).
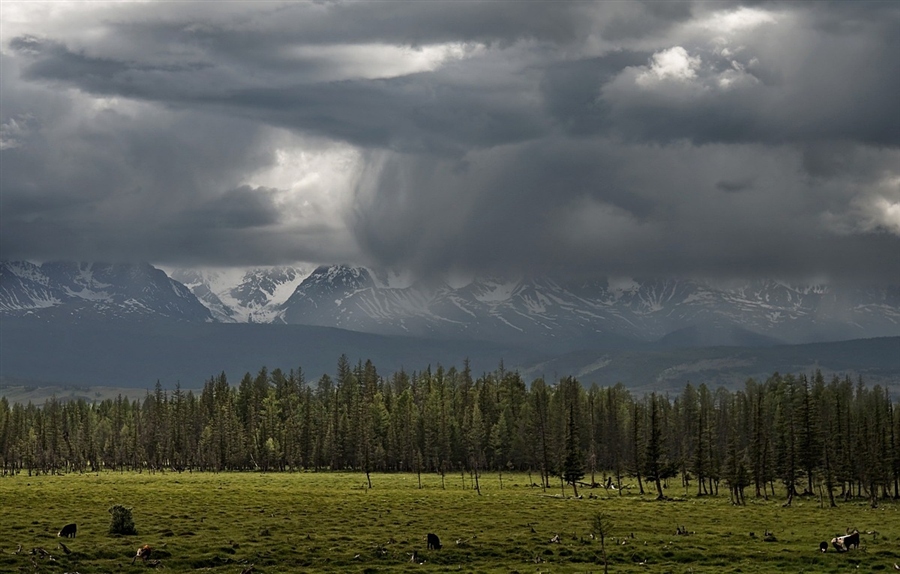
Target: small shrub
(121, 521)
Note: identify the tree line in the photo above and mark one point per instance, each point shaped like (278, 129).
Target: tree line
(836, 439)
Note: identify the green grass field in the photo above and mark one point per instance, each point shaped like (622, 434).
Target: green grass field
(311, 522)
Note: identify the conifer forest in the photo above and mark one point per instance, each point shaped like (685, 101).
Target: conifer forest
(790, 435)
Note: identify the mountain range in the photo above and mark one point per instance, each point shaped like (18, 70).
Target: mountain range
(586, 326)
(546, 313)
(95, 289)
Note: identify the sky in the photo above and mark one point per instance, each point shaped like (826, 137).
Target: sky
(692, 139)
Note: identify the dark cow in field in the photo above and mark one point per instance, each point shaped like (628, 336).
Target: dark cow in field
(68, 531)
(845, 543)
(823, 546)
(434, 543)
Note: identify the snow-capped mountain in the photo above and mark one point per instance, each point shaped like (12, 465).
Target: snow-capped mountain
(534, 312)
(95, 289)
(543, 312)
(243, 295)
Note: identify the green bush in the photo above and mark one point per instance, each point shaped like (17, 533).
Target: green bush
(121, 521)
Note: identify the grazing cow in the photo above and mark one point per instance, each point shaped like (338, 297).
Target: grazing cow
(434, 543)
(143, 553)
(823, 546)
(68, 531)
(845, 543)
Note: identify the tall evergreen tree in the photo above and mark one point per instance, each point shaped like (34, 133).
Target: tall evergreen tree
(573, 466)
(654, 458)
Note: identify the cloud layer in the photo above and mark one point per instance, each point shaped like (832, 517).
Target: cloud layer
(629, 139)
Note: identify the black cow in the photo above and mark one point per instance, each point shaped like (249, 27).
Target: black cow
(434, 543)
(68, 531)
(845, 543)
(823, 546)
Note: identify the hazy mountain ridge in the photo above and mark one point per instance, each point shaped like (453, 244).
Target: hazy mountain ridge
(128, 353)
(876, 360)
(540, 311)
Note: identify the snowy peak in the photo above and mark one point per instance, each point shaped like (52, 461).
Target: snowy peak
(320, 298)
(545, 313)
(491, 290)
(203, 284)
(337, 278)
(261, 287)
(98, 288)
(243, 295)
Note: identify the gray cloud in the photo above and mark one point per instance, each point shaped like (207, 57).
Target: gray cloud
(628, 209)
(627, 138)
(792, 89)
(734, 186)
(239, 208)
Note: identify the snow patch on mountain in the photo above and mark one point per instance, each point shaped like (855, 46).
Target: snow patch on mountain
(495, 290)
(110, 290)
(241, 295)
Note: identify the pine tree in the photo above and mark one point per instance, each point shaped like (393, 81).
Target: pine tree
(654, 464)
(573, 465)
(786, 425)
(540, 425)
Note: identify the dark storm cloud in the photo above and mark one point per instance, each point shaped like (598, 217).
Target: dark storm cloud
(405, 115)
(417, 112)
(569, 90)
(823, 79)
(121, 181)
(644, 19)
(252, 33)
(629, 138)
(627, 209)
(734, 186)
(235, 209)
(808, 86)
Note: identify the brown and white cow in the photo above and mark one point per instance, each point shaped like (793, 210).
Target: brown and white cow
(143, 553)
(846, 542)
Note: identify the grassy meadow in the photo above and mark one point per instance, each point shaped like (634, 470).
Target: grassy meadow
(315, 522)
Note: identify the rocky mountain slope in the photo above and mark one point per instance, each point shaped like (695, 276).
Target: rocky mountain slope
(95, 290)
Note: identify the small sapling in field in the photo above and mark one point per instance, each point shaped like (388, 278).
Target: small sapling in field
(121, 521)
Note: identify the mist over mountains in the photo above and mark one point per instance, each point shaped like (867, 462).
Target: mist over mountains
(93, 323)
(543, 312)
